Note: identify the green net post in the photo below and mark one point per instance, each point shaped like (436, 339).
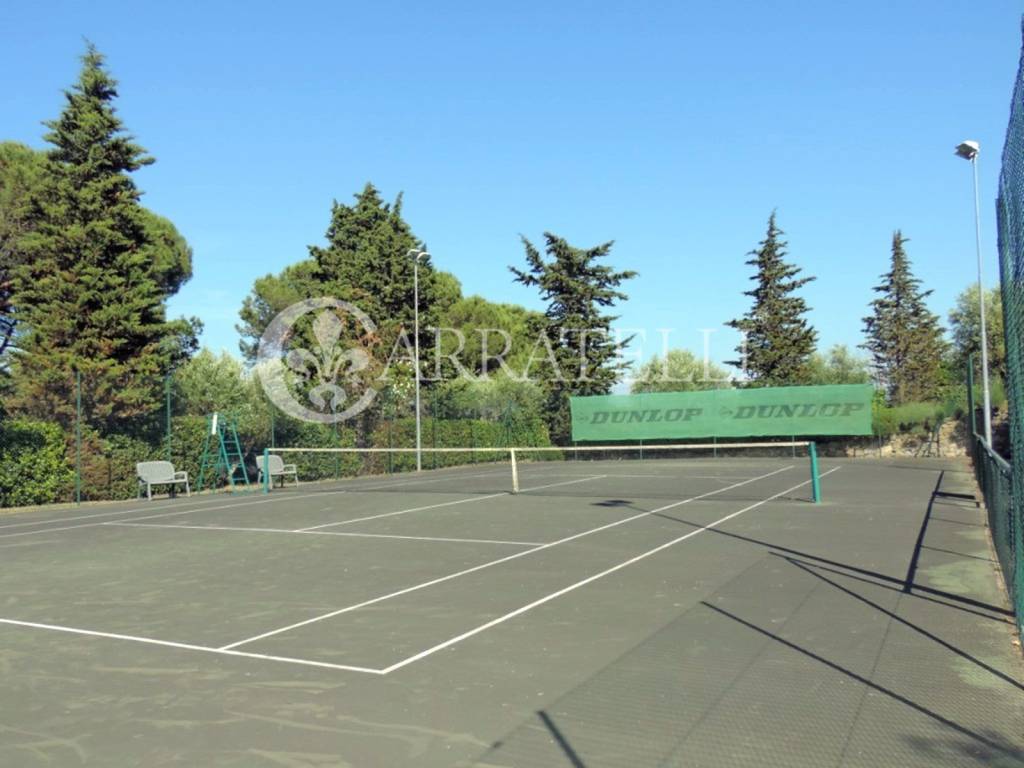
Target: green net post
(812, 451)
(78, 437)
(266, 470)
(273, 428)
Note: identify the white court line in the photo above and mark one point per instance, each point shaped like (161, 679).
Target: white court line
(313, 529)
(202, 507)
(228, 650)
(505, 559)
(438, 505)
(449, 477)
(98, 514)
(188, 646)
(205, 508)
(172, 526)
(547, 598)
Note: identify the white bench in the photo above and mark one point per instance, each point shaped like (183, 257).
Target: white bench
(152, 473)
(277, 468)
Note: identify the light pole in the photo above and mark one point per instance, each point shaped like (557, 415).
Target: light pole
(969, 151)
(416, 254)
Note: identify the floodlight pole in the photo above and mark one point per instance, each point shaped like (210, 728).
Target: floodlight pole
(416, 254)
(969, 151)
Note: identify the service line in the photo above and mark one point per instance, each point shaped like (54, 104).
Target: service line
(489, 564)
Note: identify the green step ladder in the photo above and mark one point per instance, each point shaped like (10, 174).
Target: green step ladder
(222, 453)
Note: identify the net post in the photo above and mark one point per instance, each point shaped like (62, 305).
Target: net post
(812, 451)
(266, 470)
(515, 470)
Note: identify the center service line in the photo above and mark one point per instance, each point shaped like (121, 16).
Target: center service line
(589, 579)
(505, 559)
(315, 528)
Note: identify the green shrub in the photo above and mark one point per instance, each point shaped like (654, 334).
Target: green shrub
(908, 418)
(34, 466)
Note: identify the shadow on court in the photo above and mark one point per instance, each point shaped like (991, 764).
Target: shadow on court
(736, 624)
(809, 658)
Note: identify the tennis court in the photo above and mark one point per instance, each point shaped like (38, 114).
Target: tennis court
(652, 612)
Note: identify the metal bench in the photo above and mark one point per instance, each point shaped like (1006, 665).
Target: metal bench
(277, 468)
(152, 473)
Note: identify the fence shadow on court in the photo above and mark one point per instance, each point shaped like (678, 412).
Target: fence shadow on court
(982, 746)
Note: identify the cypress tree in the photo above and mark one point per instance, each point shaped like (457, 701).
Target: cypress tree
(20, 176)
(584, 357)
(778, 339)
(367, 262)
(98, 269)
(903, 336)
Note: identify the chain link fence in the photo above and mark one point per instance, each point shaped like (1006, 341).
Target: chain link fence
(1003, 483)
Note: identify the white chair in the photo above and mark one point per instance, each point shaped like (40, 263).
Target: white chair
(277, 469)
(152, 473)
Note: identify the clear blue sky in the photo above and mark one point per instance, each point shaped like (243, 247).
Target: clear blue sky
(672, 128)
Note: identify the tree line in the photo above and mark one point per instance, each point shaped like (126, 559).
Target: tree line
(86, 271)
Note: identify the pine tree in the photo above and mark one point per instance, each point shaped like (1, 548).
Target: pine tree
(98, 268)
(20, 178)
(367, 261)
(903, 336)
(778, 340)
(585, 359)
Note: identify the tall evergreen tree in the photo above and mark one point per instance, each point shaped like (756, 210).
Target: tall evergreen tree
(903, 336)
(21, 173)
(365, 262)
(778, 340)
(579, 354)
(98, 268)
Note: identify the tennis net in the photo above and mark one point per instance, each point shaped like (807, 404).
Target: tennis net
(602, 471)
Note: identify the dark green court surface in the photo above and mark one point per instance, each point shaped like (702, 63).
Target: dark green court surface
(633, 614)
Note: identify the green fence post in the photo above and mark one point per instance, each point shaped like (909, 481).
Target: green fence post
(337, 443)
(390, 445)
(266, 470)
(167, 397)
(970, 397)
(78, 437)
(812, 450)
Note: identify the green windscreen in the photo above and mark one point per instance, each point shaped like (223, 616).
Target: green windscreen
(837, 409)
